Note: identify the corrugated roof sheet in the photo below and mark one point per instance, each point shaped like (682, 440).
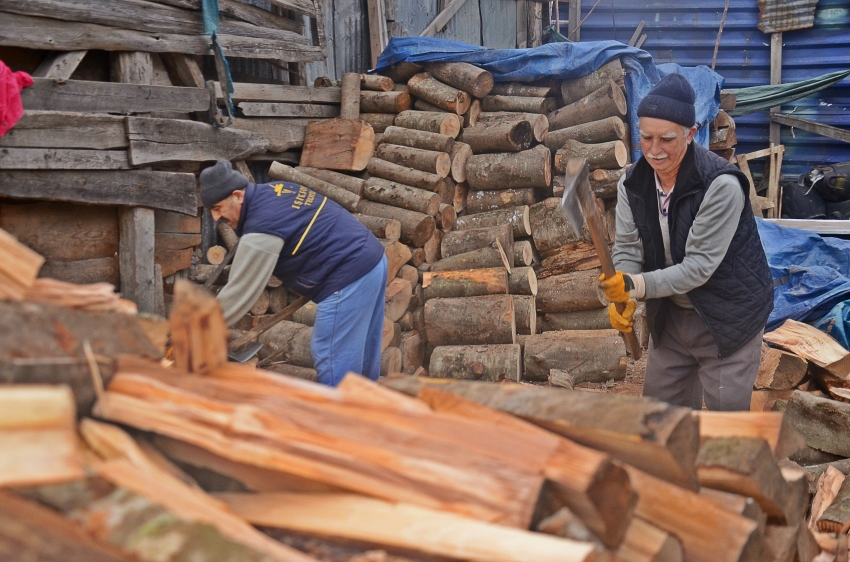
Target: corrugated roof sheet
(786, 15)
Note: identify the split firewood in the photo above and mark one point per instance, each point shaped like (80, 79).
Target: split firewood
(808, 342)
(644, 542)
(416, 228)
(461, 194)
(525, 313)
(526, 169)
(376, 82)
(783, 440)
(827, 489)
(414, 138)
(412, 351)
(198, 332)
(447, 190)
(462, 241)
(498, 137)
(519, 104)
(389, 229)
(460, 156)
(349, 183)
(577, 88)
(611, 155)
(384, 102)
(402, 196)
(397, 254)
(539, 123)
(520, 89)
(470, 320)
(821, 421)
(550, 228)
(522, 281)
(476, 259)
(589, 356)
(607, 101)
(517, 217)
(378, 121)
(523, 252)
(337, 194)
(478, 362)
(780, 370)
(447, 217)
(19, 268)
(603, 130)
(390, 361)
(409, 273)
(430, 161)
(91, 297)
(475, 81)
(468, 283)
(278, 299)
(569, 292)
(402, 174)
(435, 92)
(417, 257)
(397, 298)
(433, 247)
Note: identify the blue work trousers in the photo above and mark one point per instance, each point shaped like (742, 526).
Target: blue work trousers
(349, 327)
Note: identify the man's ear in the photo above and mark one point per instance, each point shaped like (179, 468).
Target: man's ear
(691, 132)
(239, 195)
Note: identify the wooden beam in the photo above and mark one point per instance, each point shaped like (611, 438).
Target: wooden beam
(69, 130)
(136, 256)
(108, 97)
(281, 134)
(281, 93)
(59, 65)
(522, 27)
(96, 270)
(535, 24)
(811, 126)
(573, 30)
(254, 109)
(775, 78)
(442, 18)
(62, 159)
(377, 29)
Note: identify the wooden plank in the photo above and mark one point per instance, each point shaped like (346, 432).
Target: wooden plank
(281, 134)
(260, 109)
(176, 241)
(574, 18)
(59, 65)
(98, 270)
(159, 190)
(173, 261)
(136, 256)
(402, 525)
(167, 221)
(499, 24)
(166, 140)
(62, 159)
(442, 18)
(61, 231)
(377, 29)
(811, 126)
(109, 97)
(535, 24)
(281, 93)
(521, 27)
(69, 130)
(775, 78)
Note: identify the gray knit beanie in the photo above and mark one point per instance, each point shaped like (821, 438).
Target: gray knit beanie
(672, 99)
(219, 181)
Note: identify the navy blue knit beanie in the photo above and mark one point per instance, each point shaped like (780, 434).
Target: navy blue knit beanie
(672, 99)
(219, 181)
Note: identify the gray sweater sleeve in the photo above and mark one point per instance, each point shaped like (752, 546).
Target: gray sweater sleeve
(252, 267)
(628, 250)
(708, 240)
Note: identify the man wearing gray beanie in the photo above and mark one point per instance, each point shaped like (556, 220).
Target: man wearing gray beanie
(688, 244)
(317, 249)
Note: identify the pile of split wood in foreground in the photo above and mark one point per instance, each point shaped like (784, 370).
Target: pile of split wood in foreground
(199, 459)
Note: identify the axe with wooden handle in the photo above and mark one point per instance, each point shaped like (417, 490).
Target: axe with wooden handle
(580, 207)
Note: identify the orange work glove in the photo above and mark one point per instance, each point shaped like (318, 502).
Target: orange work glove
(616, 287)
(623, 322)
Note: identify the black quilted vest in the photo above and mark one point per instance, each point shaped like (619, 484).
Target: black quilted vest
(737, 299)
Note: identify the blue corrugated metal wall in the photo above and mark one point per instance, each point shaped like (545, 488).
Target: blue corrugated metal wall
(685, 32)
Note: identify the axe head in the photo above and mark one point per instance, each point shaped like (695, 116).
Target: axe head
(577, 193)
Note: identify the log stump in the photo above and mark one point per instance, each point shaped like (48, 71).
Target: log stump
(477, 362)
(470, 320)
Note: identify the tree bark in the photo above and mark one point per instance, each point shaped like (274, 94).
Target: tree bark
(442, 95)
(550, 228)
(467, 283)
(779, 370)
(470, 320)
(522, 281)
(475, 81)
(376, 82)
(539, 123)
(339, 195)
(461, 194)
(384, 102)
(499, 137)
(416, 228)
(436, 122)
(577, 256)
(526, 169)
(521, 104)
(433, 247)
(477, 362)
(520, 89)
(604, 182)
(379, 121)
(460, 156)
(390, 361)
(592, 319)
(446, 218)
(476, 259)
(401, 72)
(575, 89)
(349, 183)
(402, 196)
(607, 101)
(422, 105)
(438, 163)
(569, 292)
(462, 241)
(589, 356)
(611, 155)
(483, 201)
(389, 229)
(523, 253)
(517, 217)
(412, 351)
(822, 422)
(417, 257)
(402, 174)
(349, 107)
(415, 138)
(292, 340)
(595, 132)
(526, 315)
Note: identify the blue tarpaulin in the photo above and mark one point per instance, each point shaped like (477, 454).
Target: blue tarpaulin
(563, 61)
(811, 277)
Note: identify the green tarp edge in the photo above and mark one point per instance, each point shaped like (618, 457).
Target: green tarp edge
(762, 98)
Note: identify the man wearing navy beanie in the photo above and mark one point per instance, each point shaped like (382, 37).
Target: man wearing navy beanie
(687, 243)
(319, 250)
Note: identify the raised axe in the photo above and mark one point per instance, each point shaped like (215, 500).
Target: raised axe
(579, 206)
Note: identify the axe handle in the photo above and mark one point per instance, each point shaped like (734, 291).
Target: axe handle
(269, 322)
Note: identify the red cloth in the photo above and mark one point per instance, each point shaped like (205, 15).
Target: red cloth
(11, 108)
